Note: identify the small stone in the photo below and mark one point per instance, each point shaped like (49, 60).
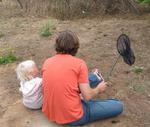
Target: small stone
(115, 121)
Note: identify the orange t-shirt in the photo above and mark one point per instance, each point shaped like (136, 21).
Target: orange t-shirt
(61, 77)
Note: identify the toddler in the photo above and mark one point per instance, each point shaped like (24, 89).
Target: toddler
(30, 84)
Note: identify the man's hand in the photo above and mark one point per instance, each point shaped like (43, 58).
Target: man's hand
(88, 93)
(101, 86)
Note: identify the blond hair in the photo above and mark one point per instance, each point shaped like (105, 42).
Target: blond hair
(23, 68)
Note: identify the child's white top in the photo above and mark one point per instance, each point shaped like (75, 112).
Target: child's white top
(32, 93)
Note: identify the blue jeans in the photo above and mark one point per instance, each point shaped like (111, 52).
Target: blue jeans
(98, 109)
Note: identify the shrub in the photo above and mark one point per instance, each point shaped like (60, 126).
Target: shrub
(1, 34)
(144, 1)
(70, 9)
(137, 69)
(140, 88)
(10, 58)
(47, 29)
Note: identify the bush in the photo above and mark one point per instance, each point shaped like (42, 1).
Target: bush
(137, 69)
(144, 1)
(1, 34)
(47, 29)
(69, 9)
(140, 88)
(10, 58)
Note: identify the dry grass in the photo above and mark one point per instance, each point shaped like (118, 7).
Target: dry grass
(67, 9)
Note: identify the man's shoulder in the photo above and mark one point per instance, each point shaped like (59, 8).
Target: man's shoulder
(47, 61)
(78, 59)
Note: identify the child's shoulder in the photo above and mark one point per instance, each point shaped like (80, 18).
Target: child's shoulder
(33, 81)
(36, 79)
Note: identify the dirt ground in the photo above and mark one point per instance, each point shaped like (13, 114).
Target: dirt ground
(98, 48)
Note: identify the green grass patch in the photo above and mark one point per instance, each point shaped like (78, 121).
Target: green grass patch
(47, 29)
(10, 58)
(140, 88)
(137, 69)
(1, 34)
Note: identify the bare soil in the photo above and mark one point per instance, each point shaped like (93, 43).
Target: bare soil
(98, 48)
